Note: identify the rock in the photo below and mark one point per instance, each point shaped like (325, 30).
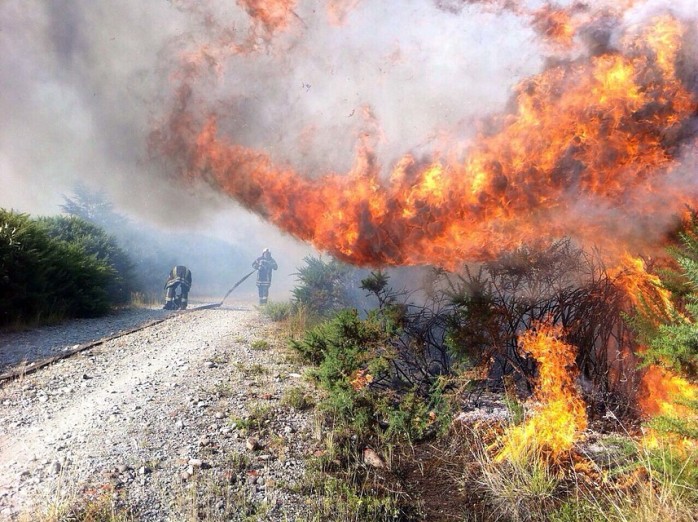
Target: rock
(122, 468)
(197, 463)
(252, 444)
(184, 475)
(218, 415)
(56, 467)
(372, 459)
(210, 364)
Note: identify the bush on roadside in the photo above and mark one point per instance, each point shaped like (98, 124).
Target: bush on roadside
(94, 241)
(43, 279)
(325, 287)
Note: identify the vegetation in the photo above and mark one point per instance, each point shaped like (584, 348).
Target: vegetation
(325, 287)
(393, 377)
(95, 242)
(44, 277)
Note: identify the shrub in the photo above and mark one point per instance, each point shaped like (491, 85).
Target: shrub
(94, 241)
(278, 312)
(325, 287)
(297, 398)
(44, 279)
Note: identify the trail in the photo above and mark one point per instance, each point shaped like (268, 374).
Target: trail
(154, 414)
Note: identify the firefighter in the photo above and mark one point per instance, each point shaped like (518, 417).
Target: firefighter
(180, 277)
(264, 264)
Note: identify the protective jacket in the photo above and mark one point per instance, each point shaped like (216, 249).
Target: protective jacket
(179, 275)
(264, 267)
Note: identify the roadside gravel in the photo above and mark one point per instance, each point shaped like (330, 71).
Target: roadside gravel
(183, 420)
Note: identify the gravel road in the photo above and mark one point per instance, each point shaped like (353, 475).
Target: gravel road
(186, 419)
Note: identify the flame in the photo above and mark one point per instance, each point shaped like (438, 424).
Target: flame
(664, 393)
(643, 289)
(587, 153)
(338, 10)
(555, 25)
(560, 414)
(667, 394)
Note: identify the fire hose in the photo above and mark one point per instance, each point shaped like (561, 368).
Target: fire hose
(235, 286)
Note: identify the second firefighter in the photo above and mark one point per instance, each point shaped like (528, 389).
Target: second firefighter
(264, 265)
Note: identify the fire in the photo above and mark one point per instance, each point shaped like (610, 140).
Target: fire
(360, 379)
(589, 152)
(644, 290)
(662, 392)
(560, 414)
(555, 25)
(666, 393)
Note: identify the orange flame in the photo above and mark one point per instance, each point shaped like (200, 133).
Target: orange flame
(360, 379)
(643, 289)
(587, 153)
(661, 391)
(665, 393)
(560, 414)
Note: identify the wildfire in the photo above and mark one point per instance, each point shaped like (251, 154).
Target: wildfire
(589, 152)
(559, 414)
(273, 15)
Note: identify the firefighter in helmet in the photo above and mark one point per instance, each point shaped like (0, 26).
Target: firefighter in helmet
(179, 278)
(264, 264)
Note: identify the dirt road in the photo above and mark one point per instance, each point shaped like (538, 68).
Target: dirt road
(183, 420)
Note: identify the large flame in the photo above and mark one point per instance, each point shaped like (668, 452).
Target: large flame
(558, 412)
(590, 151)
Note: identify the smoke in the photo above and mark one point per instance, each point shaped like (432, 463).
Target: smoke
(104, 93)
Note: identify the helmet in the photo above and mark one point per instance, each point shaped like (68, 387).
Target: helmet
(266, 251)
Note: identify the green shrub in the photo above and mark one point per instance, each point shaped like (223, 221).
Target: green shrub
(94, 241)
(297, 398)
(278, 312)
(325, 287)
(260, 344)
(44, 279)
